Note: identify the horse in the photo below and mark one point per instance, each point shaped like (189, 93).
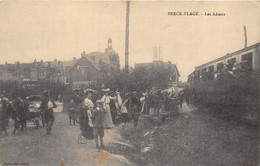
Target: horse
(9, 111)
(3, 115)
(20, 112)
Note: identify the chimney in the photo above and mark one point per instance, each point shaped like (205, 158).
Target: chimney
(83, 54)
(41, 61)
(55, 60)
(74, 58)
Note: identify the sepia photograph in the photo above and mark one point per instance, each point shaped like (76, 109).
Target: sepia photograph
(129, 83)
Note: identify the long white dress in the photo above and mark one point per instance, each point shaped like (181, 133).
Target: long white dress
(108, 123)
(89, 103)
(118, 102)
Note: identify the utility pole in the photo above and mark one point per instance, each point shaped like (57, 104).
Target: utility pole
(127, 36)
(245, 36)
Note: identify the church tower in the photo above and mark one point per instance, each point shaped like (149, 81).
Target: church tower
(109, 43)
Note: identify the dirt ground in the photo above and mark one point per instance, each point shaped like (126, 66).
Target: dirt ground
(34, 147)
(196, 138)
(192, 138)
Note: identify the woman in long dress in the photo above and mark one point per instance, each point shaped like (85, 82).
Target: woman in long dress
(86, 126)
(108, 123)
(85, 114)
(88, 103)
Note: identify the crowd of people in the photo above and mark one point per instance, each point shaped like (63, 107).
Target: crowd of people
(95, 115)
(95, 111)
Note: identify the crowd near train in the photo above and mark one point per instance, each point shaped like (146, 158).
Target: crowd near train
(80, 103)
(229, 84)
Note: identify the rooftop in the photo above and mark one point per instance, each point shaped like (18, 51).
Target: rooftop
(228, 55)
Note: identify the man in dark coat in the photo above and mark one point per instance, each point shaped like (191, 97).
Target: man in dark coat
(47, 110)
(18, 112)
(134, 107)
(77, 98)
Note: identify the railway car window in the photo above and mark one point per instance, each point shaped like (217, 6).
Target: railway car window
(203, 71)
(211, 68)
(219, 67)
(198, 75)
(211, 71)
(231, 63)
(247, 56)
(247, 61)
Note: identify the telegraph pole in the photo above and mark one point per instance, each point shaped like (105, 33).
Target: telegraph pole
(127, 36)
(245, 36)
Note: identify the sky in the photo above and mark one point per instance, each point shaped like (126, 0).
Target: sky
(62, 30)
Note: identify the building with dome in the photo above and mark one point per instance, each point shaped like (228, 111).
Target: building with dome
(89, 68)
(94, 66)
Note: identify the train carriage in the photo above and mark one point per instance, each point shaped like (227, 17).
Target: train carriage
(230, 83)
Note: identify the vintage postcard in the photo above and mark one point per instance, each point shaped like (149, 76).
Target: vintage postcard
(89, 83)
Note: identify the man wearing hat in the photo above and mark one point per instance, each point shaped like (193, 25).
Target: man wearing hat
(77, 100)
(76, 96)
(18, 111)
(46, 107)
(134, 107)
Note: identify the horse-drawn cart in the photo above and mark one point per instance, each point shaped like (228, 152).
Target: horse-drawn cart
(34, 114)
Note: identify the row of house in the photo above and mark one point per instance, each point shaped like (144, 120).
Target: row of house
(89, 68)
